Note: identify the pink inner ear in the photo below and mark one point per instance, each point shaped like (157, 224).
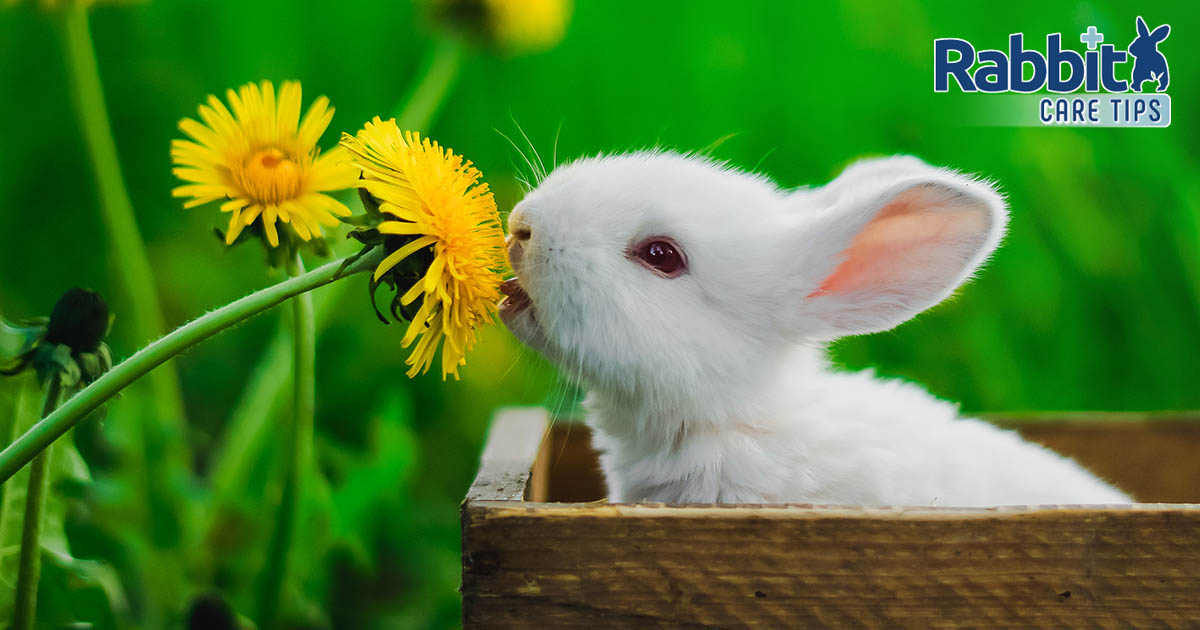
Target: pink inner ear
(919, 236)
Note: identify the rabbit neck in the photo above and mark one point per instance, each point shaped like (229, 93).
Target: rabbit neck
(699, 446)
(660, 418)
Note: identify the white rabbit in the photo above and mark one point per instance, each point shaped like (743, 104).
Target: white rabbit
(693, 301)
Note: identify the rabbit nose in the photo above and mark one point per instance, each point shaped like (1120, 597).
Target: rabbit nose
(519, 234)
(515, 249)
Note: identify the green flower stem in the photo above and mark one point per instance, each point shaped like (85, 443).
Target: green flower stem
(298, 453)
(140, 312)
(50, 428)
(30, 563)
(263, 396)
(430, 92)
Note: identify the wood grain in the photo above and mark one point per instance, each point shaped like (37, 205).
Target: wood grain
(802, 567)
(507, 460)
(534, 564)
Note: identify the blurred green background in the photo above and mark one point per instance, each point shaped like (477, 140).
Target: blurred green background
(1093, 302)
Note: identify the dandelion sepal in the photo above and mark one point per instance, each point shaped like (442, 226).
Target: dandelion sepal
(18, 344)
(400, 254)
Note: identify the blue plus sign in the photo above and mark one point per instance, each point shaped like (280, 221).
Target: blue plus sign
(1092, 38)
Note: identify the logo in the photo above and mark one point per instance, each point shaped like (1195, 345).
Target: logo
(1131, 96)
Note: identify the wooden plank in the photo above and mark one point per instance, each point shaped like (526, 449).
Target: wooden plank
(1150, 456)
(512, 444)
(651, 566)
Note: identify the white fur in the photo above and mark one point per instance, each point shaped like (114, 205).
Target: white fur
(713, 386)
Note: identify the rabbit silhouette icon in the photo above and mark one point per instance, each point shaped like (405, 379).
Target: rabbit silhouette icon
(1149, 64)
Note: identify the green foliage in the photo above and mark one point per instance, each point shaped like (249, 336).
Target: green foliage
(1093, 302)
(72, 588)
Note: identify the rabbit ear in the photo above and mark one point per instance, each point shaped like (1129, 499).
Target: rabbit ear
(1142, 30)
(897, 237)
(1160, 33)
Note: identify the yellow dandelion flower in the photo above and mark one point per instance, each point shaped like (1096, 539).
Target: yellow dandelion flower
(528, 24)
(262, 161)
(512, 25)
(432, 198)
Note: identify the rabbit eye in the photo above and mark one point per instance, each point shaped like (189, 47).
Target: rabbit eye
(662, 256)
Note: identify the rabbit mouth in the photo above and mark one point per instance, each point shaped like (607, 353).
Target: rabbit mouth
(517, 313)
(515, 301)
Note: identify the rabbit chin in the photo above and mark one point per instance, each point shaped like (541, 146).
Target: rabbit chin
(524, 324)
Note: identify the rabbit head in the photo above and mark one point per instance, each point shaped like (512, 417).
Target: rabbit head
(666, 278)
(1146, 43)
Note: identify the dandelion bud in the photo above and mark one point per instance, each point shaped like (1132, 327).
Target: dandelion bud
(80, 321)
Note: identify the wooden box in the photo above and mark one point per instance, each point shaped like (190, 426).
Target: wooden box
(542, 550)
